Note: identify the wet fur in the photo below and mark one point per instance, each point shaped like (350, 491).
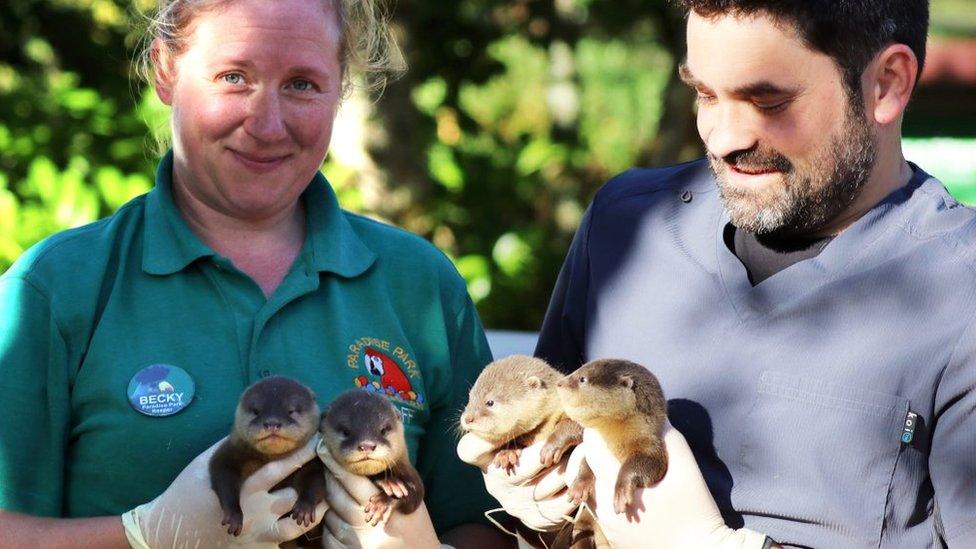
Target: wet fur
(356, 420)
(242, 453)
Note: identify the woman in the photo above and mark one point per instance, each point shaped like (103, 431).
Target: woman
(125, 344)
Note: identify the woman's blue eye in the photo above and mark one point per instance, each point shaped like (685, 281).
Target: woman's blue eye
(301, 85)
(233, 78)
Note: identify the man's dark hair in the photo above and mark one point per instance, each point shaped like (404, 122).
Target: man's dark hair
(851, 32)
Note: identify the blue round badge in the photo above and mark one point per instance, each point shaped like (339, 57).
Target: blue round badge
(160, 390)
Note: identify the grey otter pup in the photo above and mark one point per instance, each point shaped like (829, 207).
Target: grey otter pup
(365, 436)
(274, 417)
(624, 402)
(514, 404)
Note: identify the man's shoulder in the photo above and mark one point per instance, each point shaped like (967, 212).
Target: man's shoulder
(938, 216)
(649, 184)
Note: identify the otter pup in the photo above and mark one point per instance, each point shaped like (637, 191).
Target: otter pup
(514, 404)
(274, 417)
(364, 434)
(624, 402)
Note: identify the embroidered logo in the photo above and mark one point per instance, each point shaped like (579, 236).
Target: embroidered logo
(388, 370)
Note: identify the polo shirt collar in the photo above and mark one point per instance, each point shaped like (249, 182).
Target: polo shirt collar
(170, 245)
(330, 239)
(331, 244)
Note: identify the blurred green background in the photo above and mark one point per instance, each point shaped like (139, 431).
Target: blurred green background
(511, 115)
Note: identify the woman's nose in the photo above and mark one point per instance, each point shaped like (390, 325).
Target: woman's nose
(265, 118)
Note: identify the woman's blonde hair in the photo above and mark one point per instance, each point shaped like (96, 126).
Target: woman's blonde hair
(368, 54)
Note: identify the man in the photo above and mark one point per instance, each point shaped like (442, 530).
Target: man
(805, 295)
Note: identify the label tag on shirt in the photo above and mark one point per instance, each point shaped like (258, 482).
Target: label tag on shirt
(160, 390)
(908, 434)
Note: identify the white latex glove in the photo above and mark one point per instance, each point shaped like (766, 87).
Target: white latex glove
(345, 521)
(530, 493)
(678, 511)
(187, 514)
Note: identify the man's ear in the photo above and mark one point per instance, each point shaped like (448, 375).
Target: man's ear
(892, 76)
(164, 70)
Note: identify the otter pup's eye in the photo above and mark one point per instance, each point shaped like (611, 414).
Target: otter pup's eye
(489, 403)
(385, 430)
(582, 379)
(255, 411)
(344, 432)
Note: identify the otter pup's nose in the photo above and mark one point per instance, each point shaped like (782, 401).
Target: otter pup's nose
(467, 418)
(367, 447)
(272, 425)
(562, 382)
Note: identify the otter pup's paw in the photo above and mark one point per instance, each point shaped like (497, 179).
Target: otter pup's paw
(638, 472)
(304, 512)
(551, 453)
(393, 487)
(581, 490)
(234, 520)
(378, 509)
(507, 458)
(625, 501)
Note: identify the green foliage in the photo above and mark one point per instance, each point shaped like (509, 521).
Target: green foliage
(512, 114)
(517, 111)
(72, 139)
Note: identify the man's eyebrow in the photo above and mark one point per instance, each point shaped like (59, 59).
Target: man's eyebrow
(763, 88)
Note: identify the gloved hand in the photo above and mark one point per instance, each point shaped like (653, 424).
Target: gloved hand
(677, 512)
(529, 492)
(345, 521)
(187, 513)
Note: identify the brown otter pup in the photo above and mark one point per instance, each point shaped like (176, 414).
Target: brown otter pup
(274, 417)
(514, 404)
(364, 434)
(624, 402)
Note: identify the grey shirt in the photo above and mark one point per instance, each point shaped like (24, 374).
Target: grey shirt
(794, 393)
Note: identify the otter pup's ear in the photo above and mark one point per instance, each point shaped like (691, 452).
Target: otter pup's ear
(627, 381)
(535, 382)
(322, 418)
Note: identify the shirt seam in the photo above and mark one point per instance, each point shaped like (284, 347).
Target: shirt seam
(946, 237)
(47, 299)
(76, 233)
(968, 326)
(969, 526)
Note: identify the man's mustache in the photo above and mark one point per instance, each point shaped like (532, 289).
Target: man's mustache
(755, 159)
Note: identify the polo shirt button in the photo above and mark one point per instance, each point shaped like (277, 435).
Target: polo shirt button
(686, 197)
(264, 373)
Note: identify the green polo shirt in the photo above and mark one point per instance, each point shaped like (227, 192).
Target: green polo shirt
(364, 306)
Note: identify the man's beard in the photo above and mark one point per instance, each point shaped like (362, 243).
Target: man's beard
(806, 198)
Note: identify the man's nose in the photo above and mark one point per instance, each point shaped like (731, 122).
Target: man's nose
(727, 129)
(265, 118)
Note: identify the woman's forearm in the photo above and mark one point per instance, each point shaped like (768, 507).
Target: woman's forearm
(24, 531)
